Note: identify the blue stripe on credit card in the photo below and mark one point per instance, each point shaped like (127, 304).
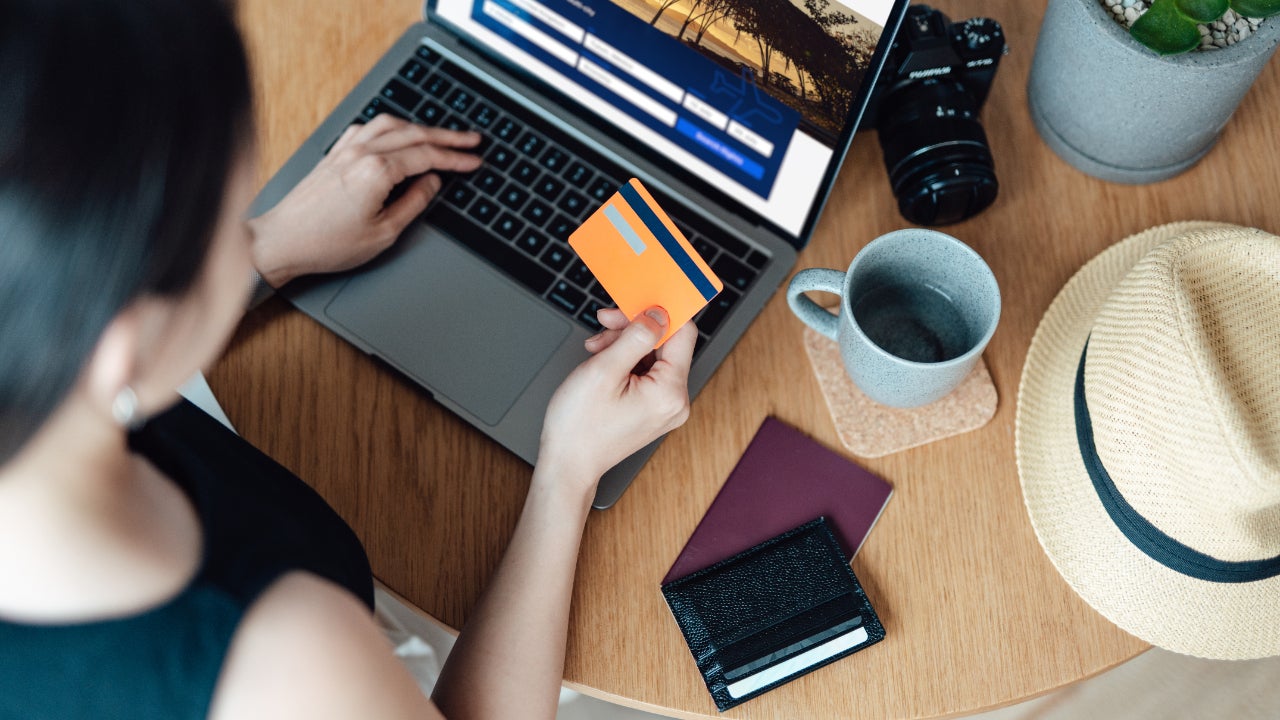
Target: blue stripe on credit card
(625, 230)
(667, 240)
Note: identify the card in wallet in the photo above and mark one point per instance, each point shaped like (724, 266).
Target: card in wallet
(780, 610)
(643, 260)
(783, 479)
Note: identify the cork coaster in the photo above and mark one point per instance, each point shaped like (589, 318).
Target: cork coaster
(869, 429)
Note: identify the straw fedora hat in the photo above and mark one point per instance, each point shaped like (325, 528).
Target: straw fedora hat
(1148, 437)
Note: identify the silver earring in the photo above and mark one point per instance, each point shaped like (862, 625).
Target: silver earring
(125, 407)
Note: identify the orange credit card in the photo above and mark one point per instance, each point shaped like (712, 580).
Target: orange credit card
(642, 259)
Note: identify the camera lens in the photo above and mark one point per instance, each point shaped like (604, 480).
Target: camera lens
(940, 167)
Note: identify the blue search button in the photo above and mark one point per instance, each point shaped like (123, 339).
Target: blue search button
(724, 152)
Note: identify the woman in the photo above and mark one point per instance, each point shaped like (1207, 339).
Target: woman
(150, 565)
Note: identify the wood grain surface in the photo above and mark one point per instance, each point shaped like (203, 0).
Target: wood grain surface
(976, 615)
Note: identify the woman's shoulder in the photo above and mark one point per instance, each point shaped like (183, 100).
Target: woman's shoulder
(258, 519)
(308, 648)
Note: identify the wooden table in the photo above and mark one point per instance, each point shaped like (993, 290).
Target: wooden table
(976, 615)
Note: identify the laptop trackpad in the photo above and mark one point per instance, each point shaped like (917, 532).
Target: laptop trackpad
(445, 317)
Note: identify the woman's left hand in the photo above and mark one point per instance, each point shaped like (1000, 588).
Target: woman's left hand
(339, 216)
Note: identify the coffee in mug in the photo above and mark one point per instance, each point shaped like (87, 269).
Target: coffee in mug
(917, 308)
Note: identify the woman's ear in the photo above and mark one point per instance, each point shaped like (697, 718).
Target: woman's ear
(109, 374)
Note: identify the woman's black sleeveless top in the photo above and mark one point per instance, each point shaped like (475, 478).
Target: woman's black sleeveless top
(259, 522)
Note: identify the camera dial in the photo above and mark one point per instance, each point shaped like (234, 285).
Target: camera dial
(977, 37)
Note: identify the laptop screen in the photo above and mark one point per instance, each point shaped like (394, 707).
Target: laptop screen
(758, 98)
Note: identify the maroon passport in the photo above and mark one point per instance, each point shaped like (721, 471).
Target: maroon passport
(784, 480)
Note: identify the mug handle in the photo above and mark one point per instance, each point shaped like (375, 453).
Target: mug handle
(820, 280)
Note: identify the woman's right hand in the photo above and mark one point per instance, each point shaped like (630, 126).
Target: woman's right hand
(616, 402)
(342, 214)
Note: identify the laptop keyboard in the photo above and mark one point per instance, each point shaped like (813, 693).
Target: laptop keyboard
(536, 187)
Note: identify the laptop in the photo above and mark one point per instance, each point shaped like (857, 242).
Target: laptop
(735, 114)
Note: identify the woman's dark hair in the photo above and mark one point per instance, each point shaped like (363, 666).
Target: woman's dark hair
(119, 124)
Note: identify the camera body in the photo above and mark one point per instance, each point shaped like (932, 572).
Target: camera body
(925, 105)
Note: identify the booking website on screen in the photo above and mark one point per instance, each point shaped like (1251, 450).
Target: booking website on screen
(749, 95)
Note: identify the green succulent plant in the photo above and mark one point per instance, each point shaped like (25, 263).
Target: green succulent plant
(1169, 26)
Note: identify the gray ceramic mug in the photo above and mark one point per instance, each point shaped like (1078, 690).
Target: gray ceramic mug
(917, 308)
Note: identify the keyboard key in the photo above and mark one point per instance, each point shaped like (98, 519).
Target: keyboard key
(561, 227)
(427, 55)
(484, 116)
(733, 273)
(507, 129)
(716, 311)
(458, 194)
(430, 113)
(598, 291)
(455, 123)
(537, 213)
(437, 85)
(549, 188)
(557, 256)
(397, 191)
(757, 259)
(579, 274)
(488, 181)
(531, 144)
(501, 156)
(733, 245)
(376, 107)
(705, 248)
(513, 196)
(566, 297)
(402, 95)
(578, 175)
(554, 159)
(603, 188)
(523, 268)
(456, 71)
(573, 204)
(700, 343)
(461, 100)
(588, 315)
(508, 226)
(483, 210)
(413, 71)
(532, 242)
(525, 172)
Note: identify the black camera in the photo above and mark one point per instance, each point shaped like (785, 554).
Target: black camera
(925, 105)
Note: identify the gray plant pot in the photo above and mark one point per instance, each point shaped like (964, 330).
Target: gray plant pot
(1117, 111)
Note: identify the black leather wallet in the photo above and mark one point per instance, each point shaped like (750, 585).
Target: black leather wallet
(780, 610)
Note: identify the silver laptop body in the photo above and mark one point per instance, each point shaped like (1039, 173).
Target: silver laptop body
(478, 341)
